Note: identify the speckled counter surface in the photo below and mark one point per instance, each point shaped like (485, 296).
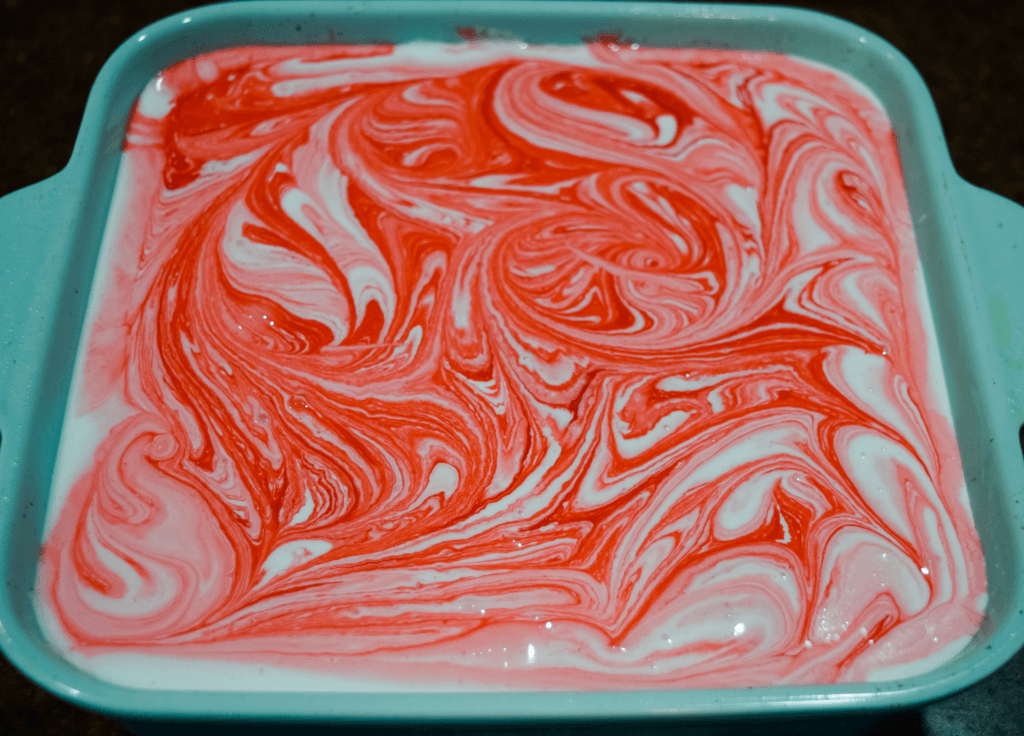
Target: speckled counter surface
(970, 54)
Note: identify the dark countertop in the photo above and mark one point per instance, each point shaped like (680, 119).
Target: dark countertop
(970, 54)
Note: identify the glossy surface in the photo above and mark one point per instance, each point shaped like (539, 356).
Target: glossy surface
(468, 367)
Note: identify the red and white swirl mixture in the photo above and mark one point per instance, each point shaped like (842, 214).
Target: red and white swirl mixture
(488, 366)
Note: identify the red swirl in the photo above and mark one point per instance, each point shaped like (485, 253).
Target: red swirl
(487, 365)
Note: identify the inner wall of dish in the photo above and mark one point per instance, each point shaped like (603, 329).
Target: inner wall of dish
(846, 54)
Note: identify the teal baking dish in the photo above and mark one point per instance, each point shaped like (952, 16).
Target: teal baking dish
(970, 244)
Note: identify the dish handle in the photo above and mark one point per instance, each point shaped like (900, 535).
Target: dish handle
(35, 226)
(29, 218)
(996, 225)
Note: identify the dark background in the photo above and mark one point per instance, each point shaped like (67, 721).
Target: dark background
(970, 53)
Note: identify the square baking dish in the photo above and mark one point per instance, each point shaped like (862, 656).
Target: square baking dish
(969, 241)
